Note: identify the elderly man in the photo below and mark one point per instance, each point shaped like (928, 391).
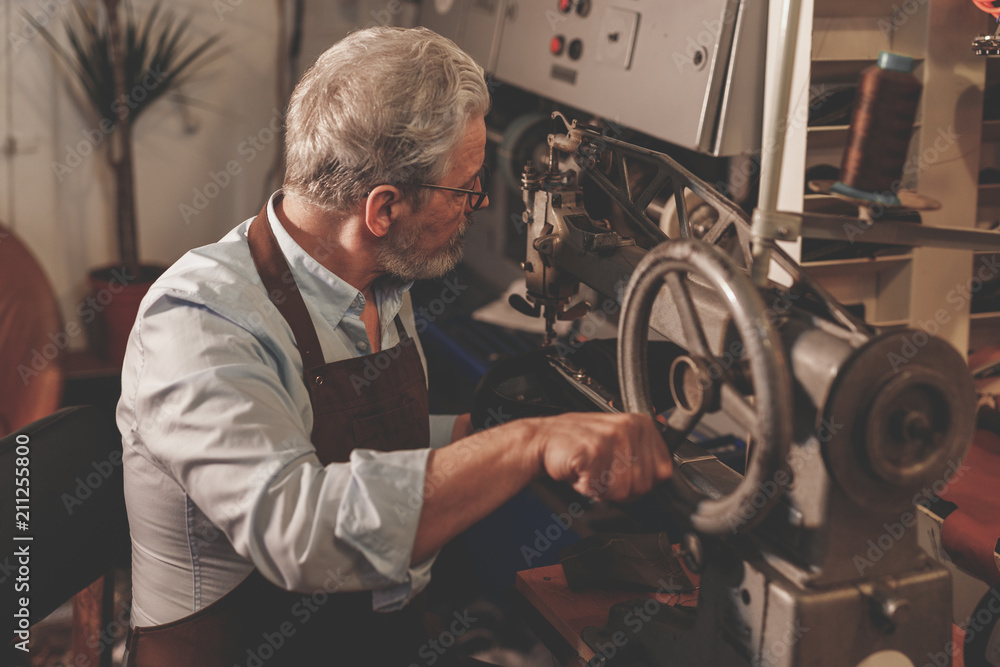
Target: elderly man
(281, 511)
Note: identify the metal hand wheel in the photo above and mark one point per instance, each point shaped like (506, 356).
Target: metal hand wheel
(701, 383)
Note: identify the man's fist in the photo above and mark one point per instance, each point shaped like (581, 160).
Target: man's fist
(607, 457)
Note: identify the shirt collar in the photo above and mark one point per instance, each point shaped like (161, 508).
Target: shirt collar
(324, 287)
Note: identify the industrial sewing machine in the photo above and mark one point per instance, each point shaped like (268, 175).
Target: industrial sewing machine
(847, 426)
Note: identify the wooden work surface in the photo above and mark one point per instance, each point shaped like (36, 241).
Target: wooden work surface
(569, 612)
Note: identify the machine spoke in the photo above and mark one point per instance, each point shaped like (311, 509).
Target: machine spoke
(738, 407)
(694, 336)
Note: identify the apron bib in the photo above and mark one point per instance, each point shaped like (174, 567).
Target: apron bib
(258, 623)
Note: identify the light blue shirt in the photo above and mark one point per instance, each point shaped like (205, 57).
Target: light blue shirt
(220, 473)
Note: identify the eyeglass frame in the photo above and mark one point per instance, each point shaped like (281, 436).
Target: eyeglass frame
(482, 178)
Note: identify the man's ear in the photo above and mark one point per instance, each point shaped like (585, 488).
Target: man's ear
(382, 208)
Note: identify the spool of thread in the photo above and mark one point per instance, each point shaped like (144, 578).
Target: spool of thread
(879, 135)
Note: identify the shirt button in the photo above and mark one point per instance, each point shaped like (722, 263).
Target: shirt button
(362, 345)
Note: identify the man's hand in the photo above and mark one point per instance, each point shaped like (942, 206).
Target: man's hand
(607, 457)
(613, 457)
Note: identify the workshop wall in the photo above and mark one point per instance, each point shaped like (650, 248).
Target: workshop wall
(200, 169)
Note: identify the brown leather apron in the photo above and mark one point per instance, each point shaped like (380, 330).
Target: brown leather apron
(258, 624)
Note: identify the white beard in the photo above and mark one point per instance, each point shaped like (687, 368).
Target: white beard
(397, 253)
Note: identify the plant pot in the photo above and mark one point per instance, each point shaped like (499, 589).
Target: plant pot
(112, 306)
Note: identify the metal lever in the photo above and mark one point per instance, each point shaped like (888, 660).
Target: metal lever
(574, 312)
(521, 305)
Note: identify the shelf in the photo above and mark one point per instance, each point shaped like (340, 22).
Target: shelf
(989, 194)
(827, 136)
(846, 37)
(856, 8)
(991, 130)
(838, 70)
(83, 364)
(984, 329)
(882, 262)
(848, 70)
(858, 267)
(817, 202)
(834, 136)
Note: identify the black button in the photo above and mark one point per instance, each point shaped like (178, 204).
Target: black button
(575, 49)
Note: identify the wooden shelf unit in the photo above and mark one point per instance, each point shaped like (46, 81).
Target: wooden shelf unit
(837, 39)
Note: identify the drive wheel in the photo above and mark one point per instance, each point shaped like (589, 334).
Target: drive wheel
(755, 393)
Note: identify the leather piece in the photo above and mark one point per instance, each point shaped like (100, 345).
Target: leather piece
(639, 561)
(32, 339)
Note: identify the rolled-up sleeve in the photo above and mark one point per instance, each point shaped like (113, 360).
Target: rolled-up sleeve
(218, 413)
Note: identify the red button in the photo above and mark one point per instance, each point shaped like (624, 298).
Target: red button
(565, 6)
(557, 44)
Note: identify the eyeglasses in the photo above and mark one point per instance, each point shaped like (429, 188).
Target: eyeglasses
(476, 197)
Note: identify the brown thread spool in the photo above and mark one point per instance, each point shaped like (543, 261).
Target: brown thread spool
(879, 135)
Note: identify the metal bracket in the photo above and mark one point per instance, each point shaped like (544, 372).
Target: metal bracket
(775, 225)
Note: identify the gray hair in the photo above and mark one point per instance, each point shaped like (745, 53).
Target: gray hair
(382, 106)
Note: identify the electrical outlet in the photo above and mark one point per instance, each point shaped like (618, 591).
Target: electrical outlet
(617, 37)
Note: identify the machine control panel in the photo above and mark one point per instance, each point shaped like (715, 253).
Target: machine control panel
(690, 73)
(676, 70)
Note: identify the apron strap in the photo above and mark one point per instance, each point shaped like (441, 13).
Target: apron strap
(282, 290)
(400, 330)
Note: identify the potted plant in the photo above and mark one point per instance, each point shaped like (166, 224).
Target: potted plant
(123, 64)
